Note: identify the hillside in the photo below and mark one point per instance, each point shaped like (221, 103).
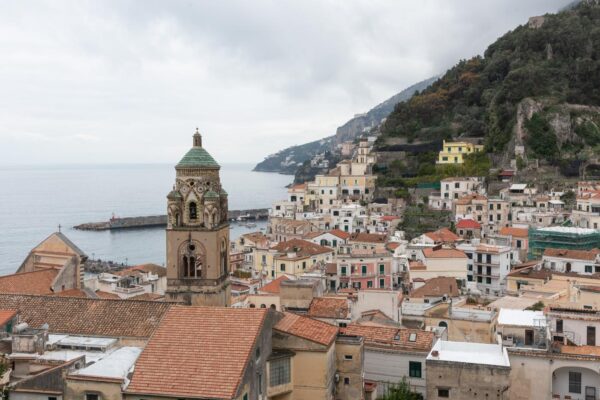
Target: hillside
(289, 160)
(531, 99)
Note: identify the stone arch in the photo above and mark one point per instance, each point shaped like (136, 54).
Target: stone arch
(565, 378)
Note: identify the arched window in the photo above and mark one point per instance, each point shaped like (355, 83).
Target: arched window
(273, 307)
(263, 306)
(193, 211)
(443, 324)
(192, 260)
(177, 220)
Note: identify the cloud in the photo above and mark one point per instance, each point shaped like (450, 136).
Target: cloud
(136, 78)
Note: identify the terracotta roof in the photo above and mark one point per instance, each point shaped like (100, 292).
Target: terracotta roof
(588, 255)
(368, 237)
(391, 246)
(443, 235)
(153, 268)
(379, 336)
(78, 293)
(302, 248)
(389, 218)
(92, 317)
(274, 286)
(107, 295)
(147, 296)
(439, 286)
(531, 272)
(307, 328)
(312, 235)
(36, 282)
(443, 253)
(329, 307)
(339, 233)
(516, 232)
(199, 352)
(468, 223)
(6, 315)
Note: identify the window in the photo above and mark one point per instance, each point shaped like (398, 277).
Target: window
(364, 270)
(591, 335)
(369, 284)
(348, 357)
(282, 267)
(52, 398)
(412, 337)
(279, 372)
(559, 326)
(488, 281)
(456, 185)
(382, 283)
(245, 396)
(92, 396)
(443, 393)
(343, 271)
(193, 211)
(588, 269)
(414, 369)
(381, 269)
(303, 264)
(574, 382)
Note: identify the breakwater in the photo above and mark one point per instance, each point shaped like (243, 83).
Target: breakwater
(154, 221)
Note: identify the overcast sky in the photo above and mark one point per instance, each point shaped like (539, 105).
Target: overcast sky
(129, 81)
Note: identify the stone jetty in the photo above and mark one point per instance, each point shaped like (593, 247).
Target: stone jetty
(153, 221)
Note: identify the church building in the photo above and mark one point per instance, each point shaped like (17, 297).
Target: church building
(198, 232)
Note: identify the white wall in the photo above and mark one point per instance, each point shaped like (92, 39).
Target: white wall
(391, 367)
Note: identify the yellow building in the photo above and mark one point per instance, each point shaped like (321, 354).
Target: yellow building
(453, 152)
(292, 257)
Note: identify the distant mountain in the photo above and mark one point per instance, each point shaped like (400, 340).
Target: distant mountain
(289, 160)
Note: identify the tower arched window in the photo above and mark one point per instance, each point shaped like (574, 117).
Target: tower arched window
(192, 261)
(193, 211)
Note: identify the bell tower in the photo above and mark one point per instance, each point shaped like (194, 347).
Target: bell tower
(198, 232)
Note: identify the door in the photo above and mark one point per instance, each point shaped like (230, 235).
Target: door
(591, 335)
(590, 393)
(528, 337)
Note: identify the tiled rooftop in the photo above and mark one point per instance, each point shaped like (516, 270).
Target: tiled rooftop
(274, 286)
(199, 352)
(94, 317)
(394, 337)
(438, 286)
(443, 235)
(37, 282)
(443, 253)
(307, 328)
(329, 307)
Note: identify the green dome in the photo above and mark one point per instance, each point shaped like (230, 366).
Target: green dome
(211, 195)
(174, 195)
(197, 157)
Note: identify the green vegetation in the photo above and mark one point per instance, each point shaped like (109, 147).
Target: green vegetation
(537, 306)
(541, 140)
(401, 391)
(479, 97)
(418, 219)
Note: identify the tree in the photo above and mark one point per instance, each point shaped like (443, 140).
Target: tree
(401, 391)
(538, 306)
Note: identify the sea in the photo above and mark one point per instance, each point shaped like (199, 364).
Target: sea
(36, 200)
